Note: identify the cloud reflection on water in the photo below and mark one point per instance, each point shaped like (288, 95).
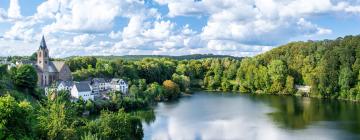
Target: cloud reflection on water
(211, 117)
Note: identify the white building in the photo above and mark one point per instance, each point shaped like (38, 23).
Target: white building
(11, 65)
(119, 85)
(83, 90)
(65, 85)
(98, 85)
(302, 88)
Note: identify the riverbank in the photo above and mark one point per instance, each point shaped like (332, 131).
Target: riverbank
(298, 94)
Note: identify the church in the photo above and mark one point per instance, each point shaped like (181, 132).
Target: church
(50, 71)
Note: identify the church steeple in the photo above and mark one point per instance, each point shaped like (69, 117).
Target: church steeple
(43, 43)
(43, 55)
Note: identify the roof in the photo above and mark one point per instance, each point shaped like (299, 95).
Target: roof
(98, 80)
(82, 86)
(43, 43)
(55, 66)
(67, 83)
(51, 67)
(58, 65)
(116, 80)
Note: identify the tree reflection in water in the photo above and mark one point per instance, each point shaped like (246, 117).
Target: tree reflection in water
(300, 112)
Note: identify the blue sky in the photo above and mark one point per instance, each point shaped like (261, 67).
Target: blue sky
(170, 27)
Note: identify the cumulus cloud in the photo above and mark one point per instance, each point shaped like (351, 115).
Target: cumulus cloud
(83, 40)
(3, 15)
(21, 30)
(14, 9)
(232, 27)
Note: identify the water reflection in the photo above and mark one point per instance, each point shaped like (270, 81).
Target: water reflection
(299, 113)
(214, 116)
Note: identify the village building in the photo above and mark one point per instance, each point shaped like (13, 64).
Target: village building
(50, 71)
(98, 85)
(65, 85)
(83, 90)
(119, 85)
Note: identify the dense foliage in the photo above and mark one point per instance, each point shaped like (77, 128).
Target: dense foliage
(330, 68)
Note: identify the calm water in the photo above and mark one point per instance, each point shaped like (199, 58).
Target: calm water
(228, 116)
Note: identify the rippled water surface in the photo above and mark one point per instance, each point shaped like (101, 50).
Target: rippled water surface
(265, 117)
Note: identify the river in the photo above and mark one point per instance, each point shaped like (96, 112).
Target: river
(230, 116)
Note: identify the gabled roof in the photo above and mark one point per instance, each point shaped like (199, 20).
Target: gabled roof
(58, 65)
(82, 86)
(43, 43)
(67, 83)
(117, 81)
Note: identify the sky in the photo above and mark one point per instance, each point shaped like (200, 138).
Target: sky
(170, 27)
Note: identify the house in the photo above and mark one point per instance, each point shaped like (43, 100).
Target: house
(119, 85)
(97, 85)
(65, 85)
(11, 65)
(302, 88)
(49, 71)
(24, 62)
(82, 89)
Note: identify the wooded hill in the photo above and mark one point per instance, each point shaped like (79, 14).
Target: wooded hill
(330, 67)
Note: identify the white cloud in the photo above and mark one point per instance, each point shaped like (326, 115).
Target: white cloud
(80, 15)
(14, 10)
(3, 15)
(233, 24)
(160, 31)
(233, 27)
(115, 35)
(22, 30)
(307, 28)
(83, 40)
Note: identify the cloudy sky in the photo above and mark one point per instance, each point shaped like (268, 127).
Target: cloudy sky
(170, 27)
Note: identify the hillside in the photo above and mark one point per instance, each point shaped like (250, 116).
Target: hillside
(331, 67)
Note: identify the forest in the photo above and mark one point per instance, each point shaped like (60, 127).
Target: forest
(330, 67)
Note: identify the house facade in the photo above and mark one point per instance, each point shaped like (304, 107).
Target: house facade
(119, 85)
(83, 90)
(98, 85)
(65, 85)
(50, 71)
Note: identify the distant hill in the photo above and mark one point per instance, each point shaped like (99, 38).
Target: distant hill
(182, 57)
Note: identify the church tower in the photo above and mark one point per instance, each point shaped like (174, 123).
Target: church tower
(43, 62)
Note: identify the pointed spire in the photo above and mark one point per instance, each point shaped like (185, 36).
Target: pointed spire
(43, 43)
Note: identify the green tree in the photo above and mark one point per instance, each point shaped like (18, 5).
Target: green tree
(25, 77)
(290, 86)
(183, 82)
(277, 71)
(134, 91)
(3, 70)
(55, 121)
(172, 90)
(16, 119)
(155, 92)
(117, 125)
